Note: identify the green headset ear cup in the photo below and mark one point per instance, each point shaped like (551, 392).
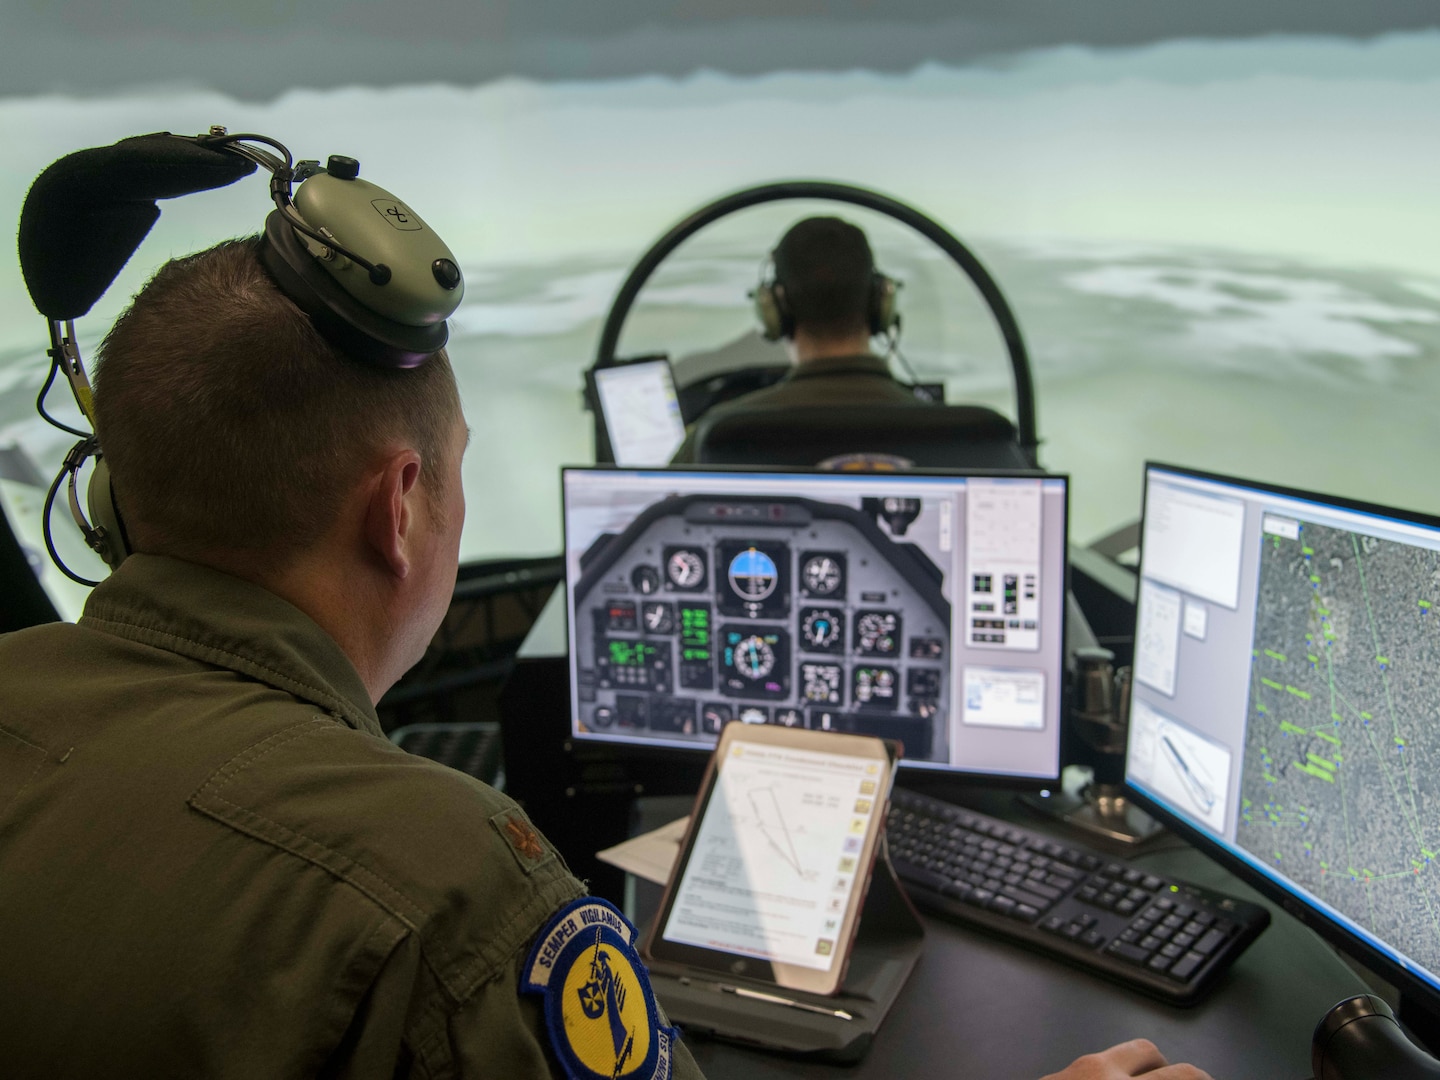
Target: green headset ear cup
(107, 531)
(884, 311)
(769, 309)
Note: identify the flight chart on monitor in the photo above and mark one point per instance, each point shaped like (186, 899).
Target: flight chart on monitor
(1339, 784)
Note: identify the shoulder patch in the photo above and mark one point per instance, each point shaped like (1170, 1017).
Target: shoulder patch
(599, 1008)
(522, 838)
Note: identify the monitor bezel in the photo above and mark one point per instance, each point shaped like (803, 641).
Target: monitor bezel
(1327, 926)
(927, 777)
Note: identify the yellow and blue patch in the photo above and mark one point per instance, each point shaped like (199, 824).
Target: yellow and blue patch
(599, 1008)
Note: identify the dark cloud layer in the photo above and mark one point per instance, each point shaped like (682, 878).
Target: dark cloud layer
(256, 48)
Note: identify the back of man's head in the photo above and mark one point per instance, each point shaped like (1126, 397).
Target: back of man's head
(233, 429)
(826, 270)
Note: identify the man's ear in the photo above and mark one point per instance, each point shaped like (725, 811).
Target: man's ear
(391, 509)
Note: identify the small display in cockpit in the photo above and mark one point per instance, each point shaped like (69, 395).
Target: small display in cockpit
(754, 662)
(874, 688)
(877, 633)
(822, 629)
(685, 569)
(618, 616)
(696, 658)
(757, 579)
(822, 574)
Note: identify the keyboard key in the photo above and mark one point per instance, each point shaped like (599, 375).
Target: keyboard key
(1210, 942)
(1186, 965)
(1003, 904)
(1094, 938)
(1174, 922)
(1039, 888)
(1055, 923)
(1133, 953)
(1171, 950)
(1163, 932)
(1165, 903)
(1150, 943)
(1151, 883)
(1072, 930)
(1184, 940)
(981, 896)
(1159, 963)
(1026, 912)
(960, 890)
(1125, 907)
(1021, 896)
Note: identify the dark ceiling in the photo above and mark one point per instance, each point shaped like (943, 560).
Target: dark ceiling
(257, 48)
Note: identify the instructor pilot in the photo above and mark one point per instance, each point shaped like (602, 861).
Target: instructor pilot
(828, 302)
(212, 862)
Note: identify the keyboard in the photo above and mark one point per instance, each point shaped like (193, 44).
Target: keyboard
(1166, 938)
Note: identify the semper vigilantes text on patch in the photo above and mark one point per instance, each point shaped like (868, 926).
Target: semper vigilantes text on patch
(599, 1008)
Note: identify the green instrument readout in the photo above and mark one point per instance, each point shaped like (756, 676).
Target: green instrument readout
(631, 654)
(695, 632)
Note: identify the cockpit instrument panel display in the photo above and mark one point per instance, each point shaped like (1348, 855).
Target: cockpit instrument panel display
(921, 607)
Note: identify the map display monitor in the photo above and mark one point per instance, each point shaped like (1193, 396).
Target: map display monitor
(1284, 708)
(924, 608)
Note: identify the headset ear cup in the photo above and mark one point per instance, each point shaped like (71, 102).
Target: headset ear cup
(769, 312)
(107, 532)
(884, 312)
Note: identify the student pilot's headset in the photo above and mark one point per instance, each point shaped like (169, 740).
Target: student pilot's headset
(373, 278)
(882, 313)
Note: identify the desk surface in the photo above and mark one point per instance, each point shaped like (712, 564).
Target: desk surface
(981, 1008)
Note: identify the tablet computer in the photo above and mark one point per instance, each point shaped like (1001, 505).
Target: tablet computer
(775, 866)
(641, 411)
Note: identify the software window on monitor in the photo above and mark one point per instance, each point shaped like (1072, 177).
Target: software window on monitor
(924, 608)
(1284, 703)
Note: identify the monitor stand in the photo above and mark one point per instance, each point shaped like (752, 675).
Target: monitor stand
(1100, 809)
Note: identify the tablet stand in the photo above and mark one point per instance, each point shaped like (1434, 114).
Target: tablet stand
(887, 945)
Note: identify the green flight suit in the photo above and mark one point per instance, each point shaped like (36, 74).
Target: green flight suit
(213, 863)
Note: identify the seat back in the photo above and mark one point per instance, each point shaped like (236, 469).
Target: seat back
(931, 436)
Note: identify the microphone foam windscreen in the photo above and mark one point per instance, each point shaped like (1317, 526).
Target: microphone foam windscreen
(87, 213)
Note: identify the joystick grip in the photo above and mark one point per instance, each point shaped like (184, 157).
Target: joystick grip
(1359, 1039)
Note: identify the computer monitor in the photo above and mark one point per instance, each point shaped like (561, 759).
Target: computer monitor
(641, 411)
(1284, 707)
(927, 608)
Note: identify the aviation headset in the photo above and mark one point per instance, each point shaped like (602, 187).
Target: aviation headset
(882, 313)
(87, 213)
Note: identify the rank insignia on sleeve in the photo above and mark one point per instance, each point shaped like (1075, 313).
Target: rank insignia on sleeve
(522, 839)
(599, 1008)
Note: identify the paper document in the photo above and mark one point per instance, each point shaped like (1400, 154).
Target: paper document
(651, 855)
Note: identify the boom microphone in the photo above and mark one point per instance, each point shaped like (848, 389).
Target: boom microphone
(87, 213)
